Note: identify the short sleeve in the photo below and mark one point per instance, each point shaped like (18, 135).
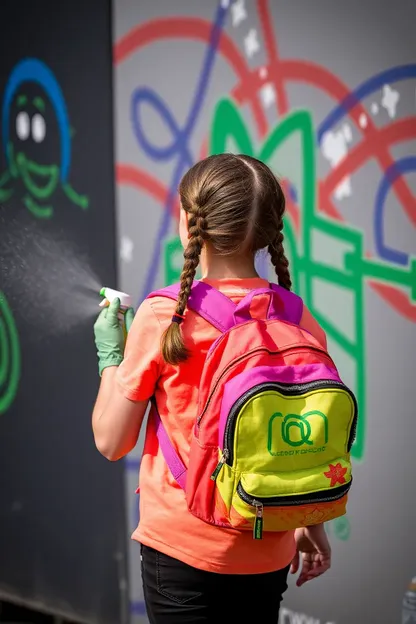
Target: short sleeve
(312, 326)
(138, 373)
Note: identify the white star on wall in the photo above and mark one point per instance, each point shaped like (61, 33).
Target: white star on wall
(263, 73)
(346, 129)
(343, 189)
(251, 43)
(390, 100)
(334, 149)
(363, 121)
(268, 94)
(126, 249)
(238, 12)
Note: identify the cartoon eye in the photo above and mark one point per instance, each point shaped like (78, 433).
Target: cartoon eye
(23, 126)
(38, 128)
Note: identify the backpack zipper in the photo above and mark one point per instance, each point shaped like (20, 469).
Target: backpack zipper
(249, 353)
(258, 521)
(288, 390)
(220, 464)
(285, 501)
(290, 501)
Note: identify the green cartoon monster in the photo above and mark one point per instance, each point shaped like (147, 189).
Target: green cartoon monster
(34, 124)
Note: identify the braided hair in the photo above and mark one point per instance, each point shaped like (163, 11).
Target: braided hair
(173, 347)
(268, 218)
(279, 260)
(235, 205)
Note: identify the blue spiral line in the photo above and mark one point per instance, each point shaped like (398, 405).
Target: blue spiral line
(394, 74)
(367, 88)
(181, 138)
(405, 165)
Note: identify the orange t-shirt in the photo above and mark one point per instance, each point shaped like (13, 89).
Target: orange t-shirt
(165, 522)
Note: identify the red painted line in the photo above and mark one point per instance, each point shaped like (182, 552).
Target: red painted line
(321, 78)
(402, 130)
(130, 175)
(397, 299)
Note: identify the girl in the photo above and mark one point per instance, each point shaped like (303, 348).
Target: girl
(231, 207)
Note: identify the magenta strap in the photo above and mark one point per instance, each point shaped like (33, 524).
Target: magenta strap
(172, 459)
(293, 304)
(284, 305)
(218, 310)
(222, 313)
(208, 302)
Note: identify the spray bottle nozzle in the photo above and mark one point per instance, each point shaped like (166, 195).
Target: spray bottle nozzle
(110, 294)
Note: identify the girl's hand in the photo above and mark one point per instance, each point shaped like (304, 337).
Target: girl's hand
(110, 337)
(313, 545)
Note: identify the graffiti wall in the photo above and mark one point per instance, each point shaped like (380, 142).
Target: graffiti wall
(328, 101)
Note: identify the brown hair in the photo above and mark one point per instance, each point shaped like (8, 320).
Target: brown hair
(235, 203)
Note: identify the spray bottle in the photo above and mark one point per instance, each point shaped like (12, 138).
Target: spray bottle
(109, 295)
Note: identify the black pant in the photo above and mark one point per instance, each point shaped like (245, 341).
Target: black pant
(176, 593)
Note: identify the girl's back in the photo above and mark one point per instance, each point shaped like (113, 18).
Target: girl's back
(232, 206)
(166, 523)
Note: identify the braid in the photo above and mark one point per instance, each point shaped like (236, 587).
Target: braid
(279, 260)
(196, 225)
(173, 348)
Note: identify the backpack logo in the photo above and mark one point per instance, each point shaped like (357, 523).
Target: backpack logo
(298, 432)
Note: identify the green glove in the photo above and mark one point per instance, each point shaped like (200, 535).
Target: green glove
(110, 336)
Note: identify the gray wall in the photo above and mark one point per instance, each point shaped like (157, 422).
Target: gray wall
(350, 236)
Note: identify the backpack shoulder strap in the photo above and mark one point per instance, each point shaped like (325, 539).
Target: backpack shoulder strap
(218, 310)
(293, 304)
(170, 455)
(208, 302)
(283, 305)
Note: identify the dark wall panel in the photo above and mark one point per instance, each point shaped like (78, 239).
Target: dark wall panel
(62, 521)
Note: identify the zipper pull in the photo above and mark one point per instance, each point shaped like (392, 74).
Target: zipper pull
(258, 522)
(220, 464)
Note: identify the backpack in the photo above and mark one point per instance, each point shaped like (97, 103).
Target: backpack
(275, 424)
